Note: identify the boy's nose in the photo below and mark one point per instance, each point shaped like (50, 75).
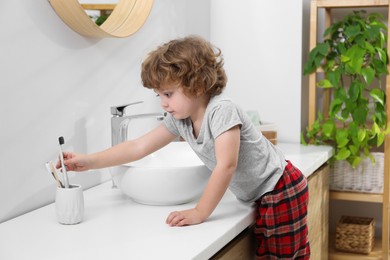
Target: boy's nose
(163, 104)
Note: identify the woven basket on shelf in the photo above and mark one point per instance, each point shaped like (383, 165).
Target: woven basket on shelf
(366, 177)
(355, 234)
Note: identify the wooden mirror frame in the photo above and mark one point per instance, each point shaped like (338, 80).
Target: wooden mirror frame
(127, 18)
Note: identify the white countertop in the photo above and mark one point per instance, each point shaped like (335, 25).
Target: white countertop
(115, 227)
(306, 158)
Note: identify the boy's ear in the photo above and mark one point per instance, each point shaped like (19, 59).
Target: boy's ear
(200, 91)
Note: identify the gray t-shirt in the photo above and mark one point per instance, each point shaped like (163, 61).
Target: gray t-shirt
(260, 163)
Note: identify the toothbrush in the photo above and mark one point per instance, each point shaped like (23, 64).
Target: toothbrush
(48, 166)
(54, 172)
(61, 141)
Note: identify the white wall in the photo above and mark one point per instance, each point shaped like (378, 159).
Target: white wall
(55, 82)
(262, 45)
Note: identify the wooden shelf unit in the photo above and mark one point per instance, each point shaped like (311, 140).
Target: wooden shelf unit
(381, 250)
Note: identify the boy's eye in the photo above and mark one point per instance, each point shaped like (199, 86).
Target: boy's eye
(165, 94)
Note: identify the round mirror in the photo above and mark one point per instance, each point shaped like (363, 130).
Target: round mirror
(124, 19)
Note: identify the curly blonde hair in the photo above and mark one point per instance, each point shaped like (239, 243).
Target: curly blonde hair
(193, 63)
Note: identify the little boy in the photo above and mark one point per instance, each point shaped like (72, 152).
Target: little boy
(188, 76)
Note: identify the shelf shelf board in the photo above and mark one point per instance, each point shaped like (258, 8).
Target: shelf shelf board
(348, 3)
(356, 196)
(333, 254)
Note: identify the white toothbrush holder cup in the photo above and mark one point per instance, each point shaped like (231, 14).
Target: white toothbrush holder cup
(70, 204)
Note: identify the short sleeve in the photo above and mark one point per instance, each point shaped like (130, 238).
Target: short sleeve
(224, 117)
(170, 124)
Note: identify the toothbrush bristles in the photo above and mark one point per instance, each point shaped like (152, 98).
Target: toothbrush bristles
(61, 140)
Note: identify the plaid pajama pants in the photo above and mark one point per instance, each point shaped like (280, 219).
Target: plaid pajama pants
(281, 229)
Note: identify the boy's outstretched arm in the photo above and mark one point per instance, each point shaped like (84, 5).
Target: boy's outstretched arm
(119, 154)
(226, 150)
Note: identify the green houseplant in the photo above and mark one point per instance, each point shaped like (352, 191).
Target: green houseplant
(354, 59)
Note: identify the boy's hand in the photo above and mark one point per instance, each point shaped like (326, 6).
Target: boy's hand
(74, 162)
(184, 218)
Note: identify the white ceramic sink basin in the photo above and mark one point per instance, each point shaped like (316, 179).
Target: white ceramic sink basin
(170, 176)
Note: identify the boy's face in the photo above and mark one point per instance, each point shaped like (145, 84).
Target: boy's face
(175, 102)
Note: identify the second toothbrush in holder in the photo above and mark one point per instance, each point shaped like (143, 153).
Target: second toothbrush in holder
(69, 204)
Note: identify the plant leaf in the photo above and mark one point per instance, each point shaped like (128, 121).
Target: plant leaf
(354, 90)
(369, 47)
(375, 129)
(380, 67)
(378, 95)
(353, 149)
(342, 138)
(380, 139)
(378, 24)
(323, 48)
(324, 83)
(334, 77)
(352, 31)
(376, 17)
(328, 128)
(355, 54)
(382, 55)
(342, 154)
(368, 74)
(383, 40)
(360, 114)
(335, 106)
(318, 60)
(373, 31)
(316, 56)
(361, 134)
(356, 161)
(344, 58)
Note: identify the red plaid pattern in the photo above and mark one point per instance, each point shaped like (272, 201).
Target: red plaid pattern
(281, 228)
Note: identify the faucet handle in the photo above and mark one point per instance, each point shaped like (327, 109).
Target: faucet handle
(118, 110)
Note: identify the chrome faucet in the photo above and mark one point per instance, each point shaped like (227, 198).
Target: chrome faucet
(120, 124)
(120, 121)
